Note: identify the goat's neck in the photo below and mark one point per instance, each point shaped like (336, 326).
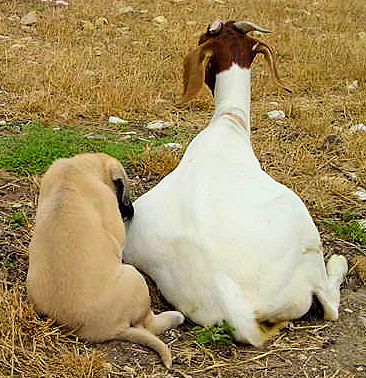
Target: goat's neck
(232, 93)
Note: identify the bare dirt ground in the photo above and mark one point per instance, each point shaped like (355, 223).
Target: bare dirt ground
(79, 64)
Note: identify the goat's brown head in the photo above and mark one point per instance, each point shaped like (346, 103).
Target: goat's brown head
(224, 44)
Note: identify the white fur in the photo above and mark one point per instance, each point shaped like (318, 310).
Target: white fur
(223, 240)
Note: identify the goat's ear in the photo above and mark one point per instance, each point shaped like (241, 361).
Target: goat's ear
(125, 206)
(194, 70)
(263, 48)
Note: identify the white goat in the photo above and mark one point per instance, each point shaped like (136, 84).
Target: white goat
(218, 235)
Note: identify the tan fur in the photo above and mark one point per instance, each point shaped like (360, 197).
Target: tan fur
(75, 271)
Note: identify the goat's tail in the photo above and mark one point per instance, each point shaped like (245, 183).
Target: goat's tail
(144, 337)
(238, 311)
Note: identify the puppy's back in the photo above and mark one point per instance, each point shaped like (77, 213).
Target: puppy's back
(68, 254)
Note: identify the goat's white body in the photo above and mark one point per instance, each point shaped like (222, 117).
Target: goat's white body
(223, 240)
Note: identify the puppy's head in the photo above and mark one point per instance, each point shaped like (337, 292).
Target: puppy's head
(118, 177)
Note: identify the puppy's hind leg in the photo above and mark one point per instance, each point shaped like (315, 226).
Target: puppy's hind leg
(157, 324)
(145, 337)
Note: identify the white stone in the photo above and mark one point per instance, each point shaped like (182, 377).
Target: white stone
(353, 86)
(62, 2)
(158, 125)
(160, 21)
(126, 10)
(351, 176)
(117, 121)
(173, 146)
(359, 128)
(348, 310)
(2, 123)
(360, 193)
(276, 114)
(29, 19)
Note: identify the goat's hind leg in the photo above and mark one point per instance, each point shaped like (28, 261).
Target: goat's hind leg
(329, 293)
(157, 324)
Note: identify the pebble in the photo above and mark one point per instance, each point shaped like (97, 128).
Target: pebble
(276, 114)
(95, 137)
(353, 86)
(158, 125)
(348, 310)
(61, 2)
(360, 193)
(117, 121)
(351, 176)
(173, 146)
(126, 10)
(29, 19)
(160, 21)
(360, 368)
(2, 123)
(359, 128)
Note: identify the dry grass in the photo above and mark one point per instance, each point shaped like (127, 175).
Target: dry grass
(32, 347)
(74, 68)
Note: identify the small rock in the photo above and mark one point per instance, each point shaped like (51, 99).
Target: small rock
(61, 2)
(173, 146)
(143, 11)
(353, 86)
(360, 368)
(29, 19)
(257, 33)
(117, 121)
(2, 123)
(360, 193)
(160, 21)
(126, 10)
(92, 136)
(16, 205)
(351, 176)
(158, 125)
(348, 310)
(56, 128)
(4, 37)
(359, 128)
(276, 115)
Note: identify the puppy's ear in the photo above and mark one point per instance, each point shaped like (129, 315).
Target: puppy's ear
(118, 176)
(125, 206)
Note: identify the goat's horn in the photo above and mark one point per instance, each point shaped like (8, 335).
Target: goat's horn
(215, 27)
(246, 27)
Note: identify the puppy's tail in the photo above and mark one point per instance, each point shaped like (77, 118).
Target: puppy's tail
(238, 311)
(144, 337)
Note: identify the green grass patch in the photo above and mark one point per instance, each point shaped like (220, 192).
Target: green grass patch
(18, 219)
(217, 335)
(347, 228)
(37, 147)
